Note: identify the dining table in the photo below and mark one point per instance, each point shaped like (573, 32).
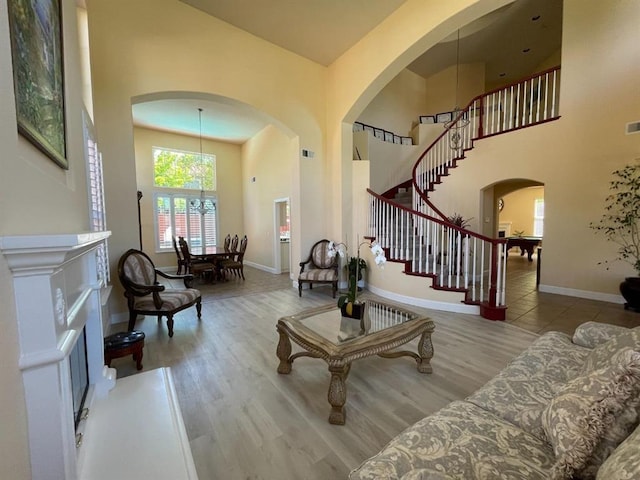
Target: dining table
(212, 254)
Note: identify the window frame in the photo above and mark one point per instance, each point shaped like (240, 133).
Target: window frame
(96, 196)
(199, 181)
(538, 220)
(189, 196)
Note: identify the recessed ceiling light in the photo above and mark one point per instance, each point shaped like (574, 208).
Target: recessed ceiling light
(526, 50)
(537, 17)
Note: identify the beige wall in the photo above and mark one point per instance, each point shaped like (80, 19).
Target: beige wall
(229, 184)
(36, 196)
(132, 41)
(519, 208)
(574, 156)
(441, 87)
(361, 73)
(398, 106)
(267, 157)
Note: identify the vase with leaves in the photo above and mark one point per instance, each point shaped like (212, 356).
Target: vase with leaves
(348, 302)
(620, 224)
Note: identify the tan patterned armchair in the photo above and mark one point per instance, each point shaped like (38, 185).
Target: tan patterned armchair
(146, 296)
(319, 268)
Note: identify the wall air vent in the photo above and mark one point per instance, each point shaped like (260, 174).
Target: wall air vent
(633, 127)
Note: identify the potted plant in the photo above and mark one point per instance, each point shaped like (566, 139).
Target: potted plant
(348, 303)
(620, 224)
(459, 221)
(355, 266)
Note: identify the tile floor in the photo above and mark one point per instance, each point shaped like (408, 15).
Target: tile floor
(540, 312)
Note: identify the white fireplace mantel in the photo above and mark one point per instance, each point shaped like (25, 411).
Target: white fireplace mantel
(57, 288)
(57, 293)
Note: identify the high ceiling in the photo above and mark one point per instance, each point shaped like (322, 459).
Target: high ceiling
(298, 25)
(511, 41)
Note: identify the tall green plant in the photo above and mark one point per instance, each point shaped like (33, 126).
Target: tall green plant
(621, 220)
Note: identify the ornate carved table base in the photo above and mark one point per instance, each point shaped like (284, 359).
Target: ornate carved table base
(340, 357)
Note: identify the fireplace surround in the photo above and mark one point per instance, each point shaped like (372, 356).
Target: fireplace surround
(58, 295)
(57, 291)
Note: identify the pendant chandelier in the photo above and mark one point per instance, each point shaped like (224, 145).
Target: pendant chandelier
(459, 120)
(202, 205)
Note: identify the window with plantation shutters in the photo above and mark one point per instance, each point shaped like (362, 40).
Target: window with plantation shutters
(185, 204)
(95, 190)
(177, 215)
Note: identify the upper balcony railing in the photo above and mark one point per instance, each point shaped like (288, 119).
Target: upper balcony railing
(530, 101)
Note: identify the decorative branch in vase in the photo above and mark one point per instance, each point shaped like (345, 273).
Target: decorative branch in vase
(348, 302)
(620, 224)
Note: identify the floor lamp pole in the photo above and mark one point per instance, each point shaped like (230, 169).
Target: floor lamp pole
(139, 218)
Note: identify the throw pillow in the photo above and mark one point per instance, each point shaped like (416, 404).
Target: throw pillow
(599, 356)
(592, 415)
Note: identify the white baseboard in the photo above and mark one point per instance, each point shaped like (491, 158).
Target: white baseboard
(264, 268)
(572, 292)
(422, 302)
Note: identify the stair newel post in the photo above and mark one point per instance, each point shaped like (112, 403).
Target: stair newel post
(493, 286)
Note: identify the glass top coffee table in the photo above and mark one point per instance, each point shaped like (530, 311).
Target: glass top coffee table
(323, 333)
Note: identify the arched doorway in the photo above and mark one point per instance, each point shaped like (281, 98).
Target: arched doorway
(244, 145)
(515, 210)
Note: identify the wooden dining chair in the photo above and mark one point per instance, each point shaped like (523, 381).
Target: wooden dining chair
(181, 262)
(233, 248)
(236, 266)
(197, 267)
(227, 243)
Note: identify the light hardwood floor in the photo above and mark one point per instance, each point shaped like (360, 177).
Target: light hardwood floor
(244, 421)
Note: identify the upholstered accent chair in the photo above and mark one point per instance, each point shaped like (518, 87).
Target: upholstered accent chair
(319, 268)
(146, 296)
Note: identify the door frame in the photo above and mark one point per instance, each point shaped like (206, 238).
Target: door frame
(277, 203)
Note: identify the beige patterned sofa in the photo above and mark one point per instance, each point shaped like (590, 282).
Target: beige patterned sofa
(559, 410)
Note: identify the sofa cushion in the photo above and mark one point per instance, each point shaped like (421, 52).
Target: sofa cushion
(599, 356)
(522, 390)
(593, 334)
(624, 462)
(592, 414)
(462, 442)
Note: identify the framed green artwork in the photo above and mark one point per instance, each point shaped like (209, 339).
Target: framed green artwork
(38, 76)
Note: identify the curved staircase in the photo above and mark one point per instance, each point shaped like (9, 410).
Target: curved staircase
(413, 231)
